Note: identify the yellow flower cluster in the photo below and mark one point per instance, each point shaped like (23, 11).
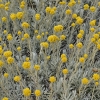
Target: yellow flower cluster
(82, 60)
(86, 7)
(62, 37)
(26, 65)
(71, 46)
(4, 19)
(50, 10)
(96, 77)
(26, 92)
(62, 2)
(52, 79)
(65, 71)
(20, 15)
(9, 37)
(10, 60)
(1, 50)
(58, 28)
(64, 58)
(53, 38)
(22, 4)
(79, 20)
(25, 25)
(17, 78)
(7, 54)
(68, 12)
(38, 37)
(92, 23)
(37, 93)
(79, 45)
(92, 9)
(37, 16)
(26, 36)
(5, 98)
(1, 63)
(44, 44)
(85, 81)
(6, 75)
(71, 3)
(13, 16)
(37, 67)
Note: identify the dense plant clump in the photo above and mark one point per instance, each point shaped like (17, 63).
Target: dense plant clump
(49, 50)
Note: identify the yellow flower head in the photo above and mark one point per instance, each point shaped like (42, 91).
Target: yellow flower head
(38, 37)
(18, 48)
(65, 71)
(71, 46)
(20, 15)
(17, 78)
(52, 11)
(62, 37)
(68, 12)
(96, 36)
(37, 93)
(4, 19)
(9, 37)
(5, 98)
(98, 46)
(73, 24)
(6, 75)
(5, 31)
(6, 8)
(25, 25)
(7, 54)
(26, 36)
(23, 2)
(27, 59)
(64, 59)
(2, 5)
(82, 60)
(19, 32)
(37, 67)
(1, 63)
(86, 7)
(96, 83)
(13, 16)
(85, 56)
(92, 29)
(44, 44)
(22, 6)
(52, 79)
(37, 16)
(48, 9)
(58, 28)
(79, 45)
(96, 77)
(53, 38)
(92, 23)
(26, 92)
(48, 57)
(81, 31)
(74, 16)
(26, 65)
(79, 20)
(92, 9)
(63, 55)
(10, 60)
(36, 31)
(79, 35)
(85, 81)
(1, 50)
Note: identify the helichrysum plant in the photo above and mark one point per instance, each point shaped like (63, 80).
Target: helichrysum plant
(49, 50)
